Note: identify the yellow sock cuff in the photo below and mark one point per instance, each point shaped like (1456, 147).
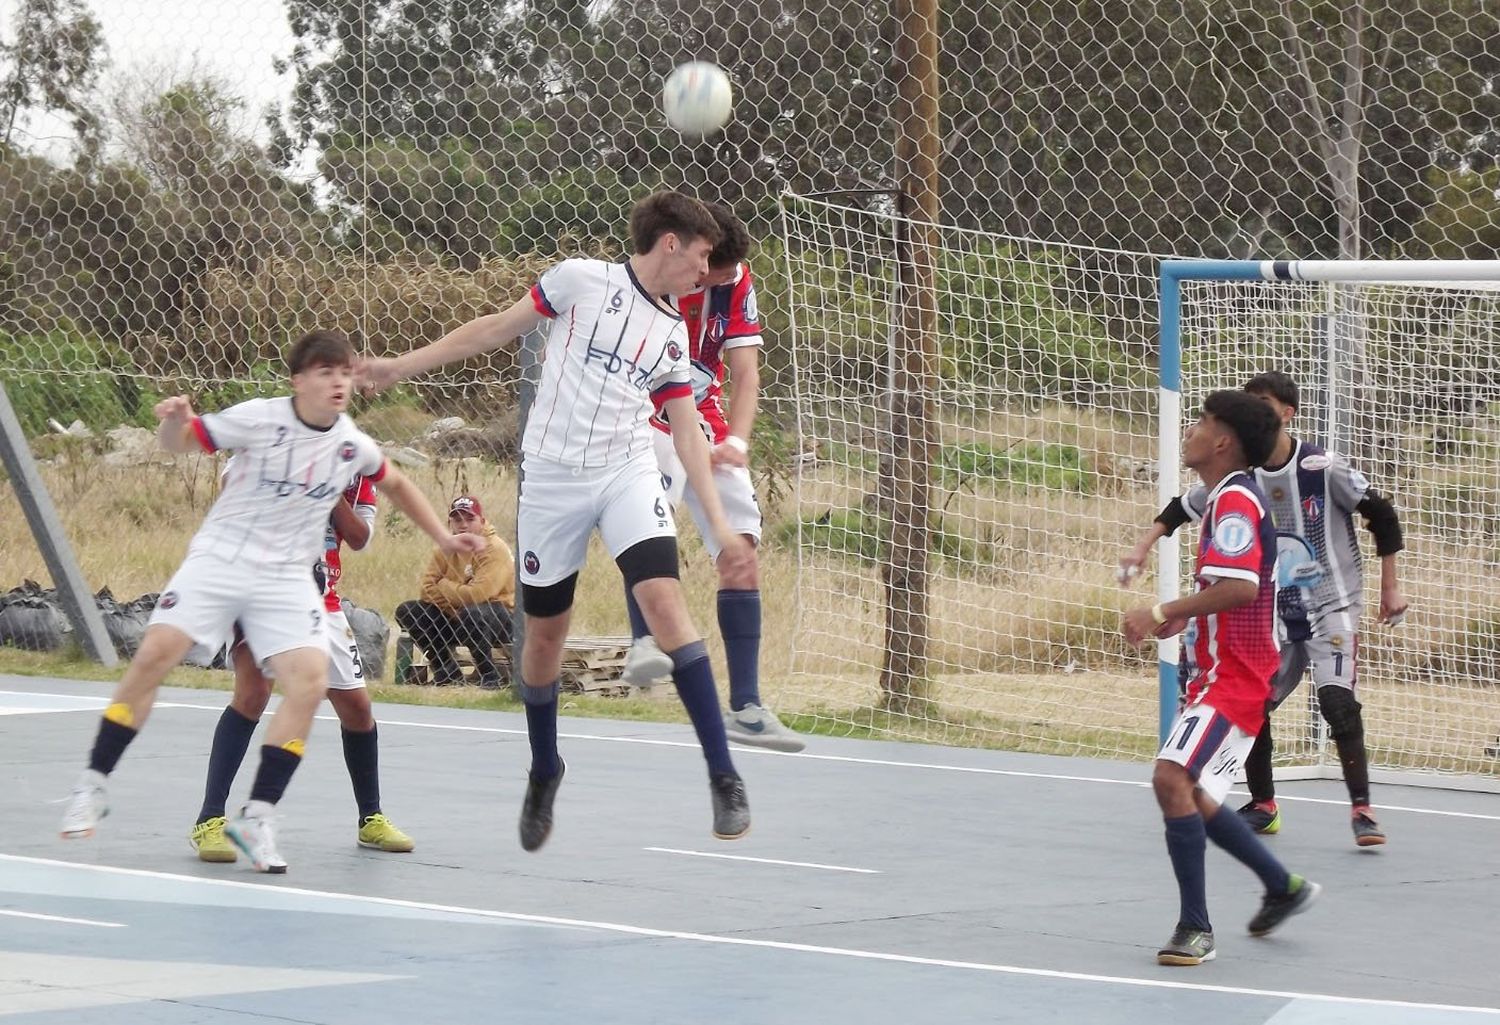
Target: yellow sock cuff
(121, 714)
(296, 746)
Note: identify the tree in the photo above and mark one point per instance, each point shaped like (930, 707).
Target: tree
(54, 62)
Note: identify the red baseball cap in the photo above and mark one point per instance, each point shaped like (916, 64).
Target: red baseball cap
(466, 504)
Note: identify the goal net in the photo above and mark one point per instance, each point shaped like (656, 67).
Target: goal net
(1401, 377)
(1045, 468)
(1041, 474)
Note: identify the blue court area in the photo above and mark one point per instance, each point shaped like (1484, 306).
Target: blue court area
(881, 882)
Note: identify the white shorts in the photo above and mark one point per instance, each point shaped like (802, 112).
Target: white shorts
(736, 495)
(277, 606)
(1209, 746)
(345, 670)
(560, 507)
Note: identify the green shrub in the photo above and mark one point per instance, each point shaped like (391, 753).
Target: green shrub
(1033, 464)
(69, 377)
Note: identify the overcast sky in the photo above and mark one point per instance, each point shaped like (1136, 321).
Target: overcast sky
(236, 41)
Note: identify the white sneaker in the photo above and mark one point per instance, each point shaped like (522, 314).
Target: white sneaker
(86, 806)
(253, 831)
(646, 663)
(758, 727)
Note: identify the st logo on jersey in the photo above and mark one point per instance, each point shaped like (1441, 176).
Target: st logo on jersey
(1233, 534)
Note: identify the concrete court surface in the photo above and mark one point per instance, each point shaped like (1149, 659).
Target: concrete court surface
(881, 883)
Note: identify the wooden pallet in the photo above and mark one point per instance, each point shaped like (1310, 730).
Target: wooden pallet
(590, 665)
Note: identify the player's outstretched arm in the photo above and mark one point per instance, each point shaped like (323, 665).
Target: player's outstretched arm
(407, 497)
(692, 450)
(1167, 521)
(482, 334)
(175, 432)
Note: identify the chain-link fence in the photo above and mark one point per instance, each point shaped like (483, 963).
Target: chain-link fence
(179, 199)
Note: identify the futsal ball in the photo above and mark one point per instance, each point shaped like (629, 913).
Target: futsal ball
(697, 98)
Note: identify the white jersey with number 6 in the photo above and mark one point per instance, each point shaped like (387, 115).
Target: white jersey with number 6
(282, 484)
(612, 352)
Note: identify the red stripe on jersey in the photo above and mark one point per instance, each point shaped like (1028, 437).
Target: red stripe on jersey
(204, 438)
(372, 479)
(673, 390)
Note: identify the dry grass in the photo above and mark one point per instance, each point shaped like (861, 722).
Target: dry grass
(1025, 646)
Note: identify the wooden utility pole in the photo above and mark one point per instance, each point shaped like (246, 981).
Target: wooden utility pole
(903, 677)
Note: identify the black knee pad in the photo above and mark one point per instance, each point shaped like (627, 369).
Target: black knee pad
(549, 599)
(649, 559)
(1341, 711)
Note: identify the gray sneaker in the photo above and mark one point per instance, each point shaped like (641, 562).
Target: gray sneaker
(646, 663)
(754, 726)
(1187, 947)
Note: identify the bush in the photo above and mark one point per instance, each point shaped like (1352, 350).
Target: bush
(71, 377)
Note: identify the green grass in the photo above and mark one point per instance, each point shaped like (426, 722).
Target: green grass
(1031, 464)
(859, 535)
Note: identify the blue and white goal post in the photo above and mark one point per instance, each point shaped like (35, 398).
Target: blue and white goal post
(1398, 362)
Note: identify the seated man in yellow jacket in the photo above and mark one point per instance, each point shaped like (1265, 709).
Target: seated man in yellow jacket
(466, 599)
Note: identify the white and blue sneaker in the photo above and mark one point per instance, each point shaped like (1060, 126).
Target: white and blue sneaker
(645, 663)
(754, 726)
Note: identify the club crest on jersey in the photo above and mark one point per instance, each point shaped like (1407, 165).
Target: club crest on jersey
(1312, 507)
(531, 563)
(1315, 462)
(674, 351)
(346, 453)
(749, 310)
(167, 601)
(1233, 534)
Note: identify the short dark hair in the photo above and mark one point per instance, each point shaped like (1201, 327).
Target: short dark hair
(734, 239)
(323, 347)
(668, 212)
(1276, 384)
(1254, 424)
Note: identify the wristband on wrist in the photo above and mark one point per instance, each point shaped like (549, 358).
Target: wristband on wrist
(1157, 615)
(738, 444)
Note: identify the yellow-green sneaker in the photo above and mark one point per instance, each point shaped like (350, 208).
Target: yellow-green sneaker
(381, 834)
(209, 841)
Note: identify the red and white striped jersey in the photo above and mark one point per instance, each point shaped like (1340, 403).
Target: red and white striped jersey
(1231, 656)
(612, 351)
(718, 318)
(279, 489)
(361, 495)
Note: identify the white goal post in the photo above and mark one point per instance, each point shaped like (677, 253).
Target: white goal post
(1399, 365)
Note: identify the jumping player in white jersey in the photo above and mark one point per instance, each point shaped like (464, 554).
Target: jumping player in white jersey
(615, 346)
(352, 523)
(250, 564)
(1313, 497)
(723, 326)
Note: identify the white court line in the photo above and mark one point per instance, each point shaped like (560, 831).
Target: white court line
(742, 941)
(60, 918)
(763, 861)
(853, 760)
